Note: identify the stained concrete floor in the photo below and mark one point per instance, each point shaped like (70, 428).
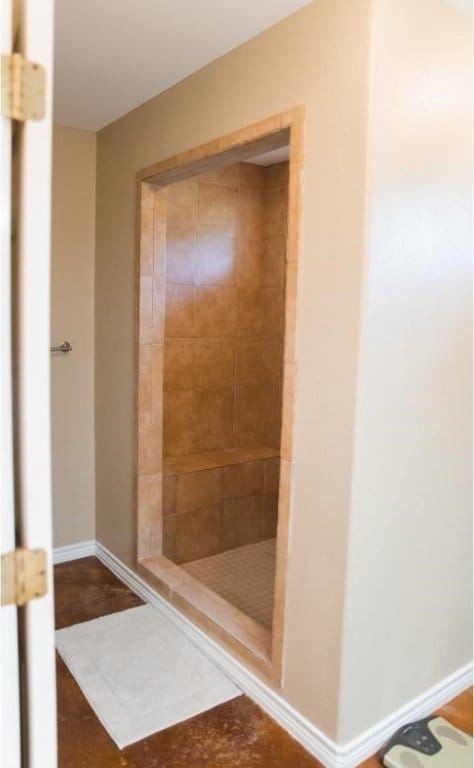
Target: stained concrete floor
(236, 734)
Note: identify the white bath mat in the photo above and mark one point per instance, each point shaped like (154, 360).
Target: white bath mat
(139, 673)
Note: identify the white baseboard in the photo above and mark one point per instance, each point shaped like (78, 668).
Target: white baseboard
(263, 694)
(315, 741)
(74, 551)
(369, 742)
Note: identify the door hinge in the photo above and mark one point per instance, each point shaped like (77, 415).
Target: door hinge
(23, 88)
(23, 576)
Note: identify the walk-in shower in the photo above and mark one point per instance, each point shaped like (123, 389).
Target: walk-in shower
(216, 327)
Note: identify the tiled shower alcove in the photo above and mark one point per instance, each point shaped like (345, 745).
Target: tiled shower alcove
(217, 282)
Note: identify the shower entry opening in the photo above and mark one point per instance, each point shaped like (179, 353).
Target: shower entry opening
(216, 297)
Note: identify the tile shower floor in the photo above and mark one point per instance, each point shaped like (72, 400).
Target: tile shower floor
(244, 576)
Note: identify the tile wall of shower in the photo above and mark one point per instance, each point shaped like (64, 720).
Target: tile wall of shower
(223, 359)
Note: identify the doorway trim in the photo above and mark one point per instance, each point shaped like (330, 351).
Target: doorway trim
(259, 647)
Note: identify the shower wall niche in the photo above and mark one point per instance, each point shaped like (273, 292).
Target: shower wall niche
(224, 309)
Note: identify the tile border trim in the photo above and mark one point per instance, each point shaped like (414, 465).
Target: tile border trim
(324, 749)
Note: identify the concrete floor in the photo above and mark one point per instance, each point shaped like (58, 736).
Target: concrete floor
(236, 734)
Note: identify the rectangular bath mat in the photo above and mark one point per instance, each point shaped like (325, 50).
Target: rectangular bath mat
(140, 673)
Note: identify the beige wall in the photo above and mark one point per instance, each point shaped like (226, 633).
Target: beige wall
(409, 584)
(318, 58)
(72, 308)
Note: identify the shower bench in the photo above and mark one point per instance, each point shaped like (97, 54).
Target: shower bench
(219, 500)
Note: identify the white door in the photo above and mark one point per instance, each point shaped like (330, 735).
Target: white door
(27, 662)
(9, 670)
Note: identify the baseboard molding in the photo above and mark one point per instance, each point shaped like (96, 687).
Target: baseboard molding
(308, 735)
(261, 692)
(369, 742)
(74, 551)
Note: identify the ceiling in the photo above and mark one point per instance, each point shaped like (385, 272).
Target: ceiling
(112, 55)
(273, 156)
(465, 6)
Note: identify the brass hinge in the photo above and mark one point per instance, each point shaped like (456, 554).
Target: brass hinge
(23, 576)
(23, 88)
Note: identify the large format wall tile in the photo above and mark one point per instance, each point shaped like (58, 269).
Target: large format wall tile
(181, 256)
(250, 312)
(226, 507)
(242, 480)
(223, 319)
(179, 318)
(216, 258)
(177, 416)
(197, 533)
(218, 208)
(178, 364)
(181, 211)
(241, 521)
(212, 419)
(215, 311)
(213, 363)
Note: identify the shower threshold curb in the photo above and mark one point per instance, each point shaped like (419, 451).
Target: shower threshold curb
(211, 612)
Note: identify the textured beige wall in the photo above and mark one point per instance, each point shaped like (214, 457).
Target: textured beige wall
(317, 58)
(72, 309)
(409, 585)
